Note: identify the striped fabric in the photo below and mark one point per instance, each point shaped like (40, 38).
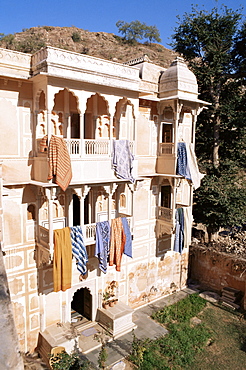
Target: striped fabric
(79, 249)
(117, 243)
(43, 145)
(182, 162)
(102, 244)
(59, 162)
(128, 244)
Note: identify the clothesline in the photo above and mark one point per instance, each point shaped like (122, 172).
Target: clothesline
(111, 242)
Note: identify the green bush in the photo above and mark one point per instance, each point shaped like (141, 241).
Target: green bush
(76, 37)
(181, 311)
(64, 361)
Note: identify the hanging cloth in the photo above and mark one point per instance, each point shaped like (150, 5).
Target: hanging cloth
(196, 175)
(182, 162)
(102, 244)
(79, 249)
(122, 160)
(62, 261)
(59, 162)
(117, 243)
(179, 230)
(128, 244)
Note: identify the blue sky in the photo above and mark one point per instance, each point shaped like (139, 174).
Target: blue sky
(99, 15)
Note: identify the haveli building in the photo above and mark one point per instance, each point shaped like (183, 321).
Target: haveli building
(117, 144)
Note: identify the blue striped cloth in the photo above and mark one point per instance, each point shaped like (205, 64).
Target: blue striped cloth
(179, 230)
(128, 244)
(182, 162)
(102, 244)
(79, 249)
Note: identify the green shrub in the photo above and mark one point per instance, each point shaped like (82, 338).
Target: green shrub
(64, 361)
(76, 36)
(181, 311)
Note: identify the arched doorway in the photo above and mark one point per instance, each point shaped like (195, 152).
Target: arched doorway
(81, 305)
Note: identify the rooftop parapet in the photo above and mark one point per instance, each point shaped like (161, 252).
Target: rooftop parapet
(14, 64)
(67, 64)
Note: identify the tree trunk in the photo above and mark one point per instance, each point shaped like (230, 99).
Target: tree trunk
(216, 146)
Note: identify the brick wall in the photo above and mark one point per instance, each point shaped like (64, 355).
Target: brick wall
(216, 270)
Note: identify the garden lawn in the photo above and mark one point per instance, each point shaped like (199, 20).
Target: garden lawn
(216, 341)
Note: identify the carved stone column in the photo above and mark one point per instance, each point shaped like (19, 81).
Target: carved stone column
(51, 196)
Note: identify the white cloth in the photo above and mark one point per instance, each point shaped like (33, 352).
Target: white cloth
(196, 175)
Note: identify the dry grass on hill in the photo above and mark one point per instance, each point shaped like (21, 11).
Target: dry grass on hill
(99, 44)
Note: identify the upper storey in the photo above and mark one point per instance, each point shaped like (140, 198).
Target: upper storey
(90, 102)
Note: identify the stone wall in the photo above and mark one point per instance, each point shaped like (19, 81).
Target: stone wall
(216, 270)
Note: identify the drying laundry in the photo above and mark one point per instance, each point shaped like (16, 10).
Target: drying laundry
(179, 230)
(128, 243)
(62, 261)
(79, 249)
(59, 162)
(182, 162)
(122, 160)
(196, 175)
(117, 243)
(102, 244)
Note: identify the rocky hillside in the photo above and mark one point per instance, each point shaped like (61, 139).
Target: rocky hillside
(99, 44)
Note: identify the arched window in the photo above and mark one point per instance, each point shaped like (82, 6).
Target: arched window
(31, 212)
(122, 200)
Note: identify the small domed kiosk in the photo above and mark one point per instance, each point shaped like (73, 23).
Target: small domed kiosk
(178, 82)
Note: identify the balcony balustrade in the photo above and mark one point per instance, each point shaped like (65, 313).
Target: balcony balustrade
(89, 233)
(89, 147)
(165, 214)
(166, 148)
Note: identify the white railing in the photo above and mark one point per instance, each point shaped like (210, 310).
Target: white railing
(96, 147)
(73, 146)
(166, 148)
(91, 147)
(165, 214)
(89, 233)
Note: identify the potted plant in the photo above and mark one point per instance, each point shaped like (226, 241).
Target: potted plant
(106, 296)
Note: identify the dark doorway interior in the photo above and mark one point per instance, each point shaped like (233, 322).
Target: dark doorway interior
(82, 303)
(76, 210)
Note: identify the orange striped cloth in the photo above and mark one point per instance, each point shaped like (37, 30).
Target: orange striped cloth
(117, 243)
(59, 162)
(62, 261)
(43, 145)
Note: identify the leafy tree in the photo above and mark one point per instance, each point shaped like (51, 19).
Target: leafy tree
(213, 44)
(152, 34)
(136, 30)
(206, 40)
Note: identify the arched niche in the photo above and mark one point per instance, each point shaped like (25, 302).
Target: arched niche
(124, 120)
(97, 118)
(66, 114)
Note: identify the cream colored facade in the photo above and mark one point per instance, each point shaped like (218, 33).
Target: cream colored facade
(90, 102)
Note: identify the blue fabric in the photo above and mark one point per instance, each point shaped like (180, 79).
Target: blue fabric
(79, 249)
(182, 162)
(122, 160)
(179, 230)
(128, 244)
(102, 244)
